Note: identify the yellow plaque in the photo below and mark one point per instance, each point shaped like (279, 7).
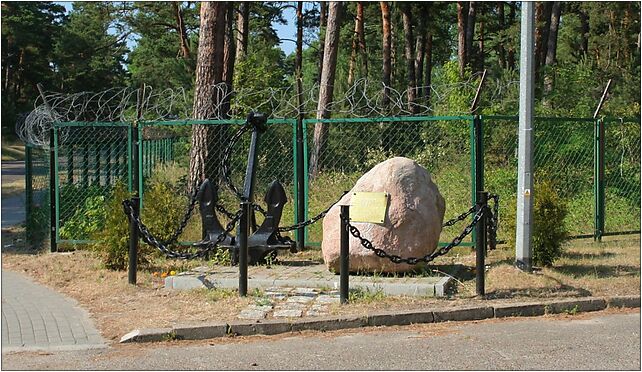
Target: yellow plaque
(369, 207)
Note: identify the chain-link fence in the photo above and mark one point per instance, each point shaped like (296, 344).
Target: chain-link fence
(37, 196)
(92, 157)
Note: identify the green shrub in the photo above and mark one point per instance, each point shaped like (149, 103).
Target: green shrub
(549, 231)
(113, 239)
(86, 220)
(162, 211)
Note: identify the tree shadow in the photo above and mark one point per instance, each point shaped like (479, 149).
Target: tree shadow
(598, 271)
(590, 256)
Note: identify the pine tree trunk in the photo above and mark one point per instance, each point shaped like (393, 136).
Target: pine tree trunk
(180, 26)
(409, 44)
(470, 31)
(552, 45)
(206, 144)
(323, 21)
(480, 60)
(356, 37)
(428, 73)
(387, 44)
(461, 32)
(326, 88)
(584, 32)
(501, 51)
(242, 29)
(229, 57)
(510, 60)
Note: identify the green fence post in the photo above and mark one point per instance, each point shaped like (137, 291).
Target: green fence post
(476, 160)
(139, 144)
(53, 200)
(598, 179)
(299, 181)
(28, 184)
(130, 157)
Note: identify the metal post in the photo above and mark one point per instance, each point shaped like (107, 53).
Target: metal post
(28, 181)
(135, 160)
(300, 180)
(523, 248)
(242, 237)
(133, 242)
(344, 267)
(53, 246)
(479, 154)
(600, 148)
(480, 246)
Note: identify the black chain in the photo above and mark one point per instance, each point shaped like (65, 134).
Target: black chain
(149, 238)
(414, 260)
(311, 220)
(225, 162)
(221, 209)
(188, 214)
(493, 222)
(461, 217)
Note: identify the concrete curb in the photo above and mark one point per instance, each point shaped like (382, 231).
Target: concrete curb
(387, 318)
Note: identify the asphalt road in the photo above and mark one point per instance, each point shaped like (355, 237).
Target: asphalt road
(13, 208)
(597, 341)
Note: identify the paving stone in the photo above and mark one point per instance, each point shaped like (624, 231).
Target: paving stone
(287, 313)
(290, 305)
(308, 292)
(327, 299)
(300, 299)
(252, 314)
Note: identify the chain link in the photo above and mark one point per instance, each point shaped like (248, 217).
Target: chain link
(150, 239)
(188, 214)
(493, 222)
(414, 260)
(461, 217)
(225, 162)
(311, 220)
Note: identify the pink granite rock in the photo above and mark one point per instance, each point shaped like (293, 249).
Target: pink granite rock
(412, 224)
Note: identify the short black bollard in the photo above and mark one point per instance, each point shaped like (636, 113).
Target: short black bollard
(344, 258)
(480, 246)
(133, 242)
(242, 237)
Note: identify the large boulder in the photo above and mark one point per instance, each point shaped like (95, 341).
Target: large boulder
(412, 224)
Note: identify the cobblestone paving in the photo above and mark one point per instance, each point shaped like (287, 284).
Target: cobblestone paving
(284, 302)
(37, 318)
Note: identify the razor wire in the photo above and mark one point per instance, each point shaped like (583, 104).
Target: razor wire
(363, 99)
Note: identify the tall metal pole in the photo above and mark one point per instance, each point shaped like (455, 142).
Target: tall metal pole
(300, 236)
(523, 249)
(480, 245)
(242, 237)
(344, 265)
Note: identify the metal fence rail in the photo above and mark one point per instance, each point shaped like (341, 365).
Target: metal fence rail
(598, 174)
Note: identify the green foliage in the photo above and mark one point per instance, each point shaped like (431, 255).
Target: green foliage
(361, 295)
(86, 221)
(113, 240)
(549, 230)
(88, 57)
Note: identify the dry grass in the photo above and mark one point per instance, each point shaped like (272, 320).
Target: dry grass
(587, 268)
(14, 188)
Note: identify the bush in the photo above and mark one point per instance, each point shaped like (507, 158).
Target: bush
(162, 211)
(549, 231)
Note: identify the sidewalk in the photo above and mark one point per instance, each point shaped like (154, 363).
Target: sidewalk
(35, 317)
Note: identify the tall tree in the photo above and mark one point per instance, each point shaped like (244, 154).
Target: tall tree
(88, 56)
(409, 44)
(510, 59)
(323, 23)
(461, 37)
(551, 49)
(358, 43)
(206, 142)
(470, 30)
(387, 46)
(501, 51)
(326, 89)
(242, 29)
